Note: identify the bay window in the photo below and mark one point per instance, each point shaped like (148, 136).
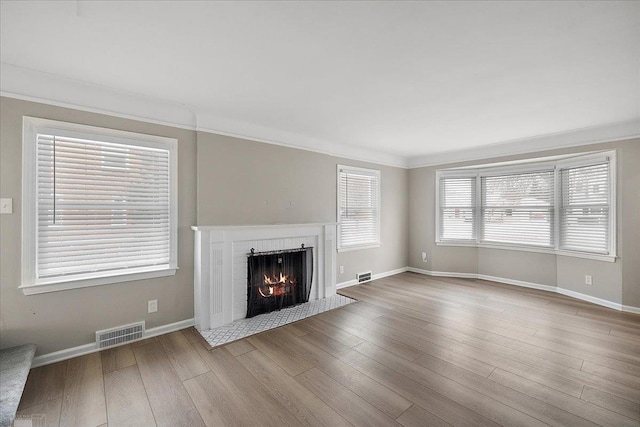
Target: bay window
(563, 205)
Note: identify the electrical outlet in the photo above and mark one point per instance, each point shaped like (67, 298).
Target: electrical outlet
(588, 280)
(424, 257)
(152, 306)
(342, 269)
(6, 205)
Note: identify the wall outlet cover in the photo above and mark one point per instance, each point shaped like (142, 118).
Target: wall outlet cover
(152, 306)
(6, 205)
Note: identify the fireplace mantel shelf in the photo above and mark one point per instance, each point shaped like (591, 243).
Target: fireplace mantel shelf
(220, 264)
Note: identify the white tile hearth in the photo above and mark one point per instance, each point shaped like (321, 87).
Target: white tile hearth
(263, 322)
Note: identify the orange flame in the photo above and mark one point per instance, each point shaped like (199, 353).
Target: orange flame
(275, 286)
(269, 281)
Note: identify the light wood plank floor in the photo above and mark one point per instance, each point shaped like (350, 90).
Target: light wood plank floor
(415, 351)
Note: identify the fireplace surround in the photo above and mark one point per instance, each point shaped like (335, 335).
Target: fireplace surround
(221, 265)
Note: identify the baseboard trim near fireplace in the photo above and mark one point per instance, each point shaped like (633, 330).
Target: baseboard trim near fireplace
(521, 283)
(81, 350)
(373, 277)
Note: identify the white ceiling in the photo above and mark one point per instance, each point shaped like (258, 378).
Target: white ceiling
(406, 78)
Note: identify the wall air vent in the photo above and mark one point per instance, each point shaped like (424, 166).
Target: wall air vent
(363, 277)
(119, 335)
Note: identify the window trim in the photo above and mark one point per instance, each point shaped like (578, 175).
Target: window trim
(372, 245)
(456, 174)
(557, 163)
(30, 128)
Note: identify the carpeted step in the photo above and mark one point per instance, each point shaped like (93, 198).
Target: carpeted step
(15, 363)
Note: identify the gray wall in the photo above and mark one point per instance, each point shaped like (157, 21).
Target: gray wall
(248, 182)
(60, 320)
(617, 282)
(526, 266)
(222, 181)
(629, 216)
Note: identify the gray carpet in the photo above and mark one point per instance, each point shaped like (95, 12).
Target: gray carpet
(15, 363)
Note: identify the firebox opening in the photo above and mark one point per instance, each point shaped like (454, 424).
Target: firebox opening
(278, 279)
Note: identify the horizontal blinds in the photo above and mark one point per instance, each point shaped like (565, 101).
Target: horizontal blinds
(359, 201)
(100, 206)
(518, 208)
(457, 208)
(584, 213)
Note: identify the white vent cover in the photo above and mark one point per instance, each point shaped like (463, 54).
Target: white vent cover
(363, 277)
(119, 335)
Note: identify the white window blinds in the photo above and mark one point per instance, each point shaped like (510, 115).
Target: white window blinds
(358, 207)
(562, 205)
(518, 208)
(457, 208)
(584, 213)
(100, 207)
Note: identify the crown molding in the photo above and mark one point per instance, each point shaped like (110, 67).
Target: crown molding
(211, 123)
(574, 138)
(36, 86)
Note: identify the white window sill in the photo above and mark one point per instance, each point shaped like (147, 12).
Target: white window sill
(60, 284)
(592, 256)
(357, 248)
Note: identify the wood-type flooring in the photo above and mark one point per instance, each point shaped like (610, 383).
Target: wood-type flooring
(415, 351)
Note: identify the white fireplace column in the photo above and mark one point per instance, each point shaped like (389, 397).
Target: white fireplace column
(220, 265)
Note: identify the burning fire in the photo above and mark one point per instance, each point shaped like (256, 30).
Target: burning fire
(275, 286)
(269, 281)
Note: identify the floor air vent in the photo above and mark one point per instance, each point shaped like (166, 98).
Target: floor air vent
(363, 277)
(119, 335)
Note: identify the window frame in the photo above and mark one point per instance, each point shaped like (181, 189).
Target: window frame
(609, 156)
(530, 165)
(32, 126)
(511, 172)
(369, 245)
(476, 230)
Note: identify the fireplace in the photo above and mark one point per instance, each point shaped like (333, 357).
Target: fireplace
(220, 265)
(278, 279)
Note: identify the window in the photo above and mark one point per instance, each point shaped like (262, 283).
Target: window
(99, 206)
(358, 208)
(560, 205)
(584, 210)
(457, 208)
(518, 208)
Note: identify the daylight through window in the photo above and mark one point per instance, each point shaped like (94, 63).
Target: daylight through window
(99, 205)
(564, 206)
(358, 208)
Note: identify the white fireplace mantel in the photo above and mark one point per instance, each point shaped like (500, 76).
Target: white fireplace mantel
(220, 265)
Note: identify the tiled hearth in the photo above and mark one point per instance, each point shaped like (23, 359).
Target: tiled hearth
(263, 322)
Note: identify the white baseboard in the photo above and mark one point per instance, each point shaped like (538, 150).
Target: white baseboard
(567, 292)
(81, 350)
(514, 282)
(484, 277)
(589, 298)
(346, 284)
(171, 327)
(631, 309)
(374, 277)
(443, 273)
